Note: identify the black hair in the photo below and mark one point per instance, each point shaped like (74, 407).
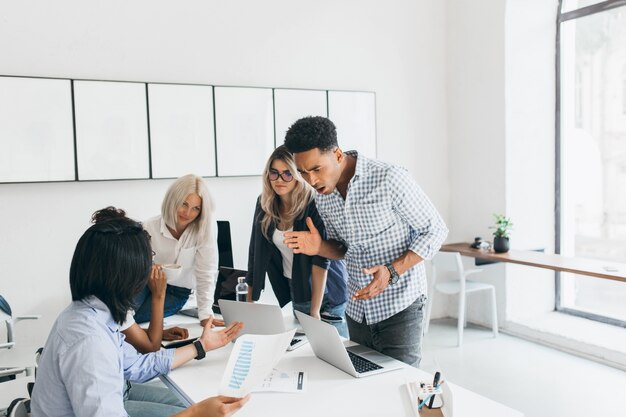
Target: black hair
(112, 261)
(311, 132)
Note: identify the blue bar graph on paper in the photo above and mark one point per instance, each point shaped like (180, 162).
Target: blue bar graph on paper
(242, 365)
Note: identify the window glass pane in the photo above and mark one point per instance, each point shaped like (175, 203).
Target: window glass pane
(593, 155)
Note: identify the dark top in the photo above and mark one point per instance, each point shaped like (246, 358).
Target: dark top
(264, 257)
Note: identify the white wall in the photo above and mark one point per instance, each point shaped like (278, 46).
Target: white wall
(395, 48)
(500, 94)
(530, 148)
(476, 132)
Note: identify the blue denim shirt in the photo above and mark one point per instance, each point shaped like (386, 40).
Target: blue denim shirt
(85, 361)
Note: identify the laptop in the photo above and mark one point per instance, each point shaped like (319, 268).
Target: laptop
(358, 361)
(258, 319)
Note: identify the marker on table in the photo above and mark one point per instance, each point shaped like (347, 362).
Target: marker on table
(435, 383)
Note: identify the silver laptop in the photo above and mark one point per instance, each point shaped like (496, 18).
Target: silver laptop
(358, 360)
(258, 319)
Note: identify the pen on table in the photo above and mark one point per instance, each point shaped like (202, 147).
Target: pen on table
(435, 383)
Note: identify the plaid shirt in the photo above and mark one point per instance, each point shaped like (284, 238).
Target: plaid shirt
(385, 213)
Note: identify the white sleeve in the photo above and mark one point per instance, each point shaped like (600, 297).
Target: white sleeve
(206, 268)
(129, 321)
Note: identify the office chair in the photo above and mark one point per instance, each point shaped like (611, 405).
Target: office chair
(224, 244)
(224, 258)
(6, 316)
(450, 263)
(20, 407)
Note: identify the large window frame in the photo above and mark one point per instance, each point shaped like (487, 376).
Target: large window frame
(561, 18)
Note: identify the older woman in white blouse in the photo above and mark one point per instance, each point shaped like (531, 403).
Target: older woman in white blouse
(184, 234)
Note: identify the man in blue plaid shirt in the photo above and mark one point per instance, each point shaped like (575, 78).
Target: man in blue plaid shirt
(382, 223)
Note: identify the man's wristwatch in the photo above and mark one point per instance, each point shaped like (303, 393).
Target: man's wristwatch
(394, 276)
(199, 349)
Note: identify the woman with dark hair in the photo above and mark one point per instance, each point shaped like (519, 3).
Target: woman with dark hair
(315, 285)
(85, 359)
(146, 340)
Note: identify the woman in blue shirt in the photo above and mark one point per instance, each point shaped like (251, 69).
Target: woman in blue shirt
(315, 285)
(85, 359)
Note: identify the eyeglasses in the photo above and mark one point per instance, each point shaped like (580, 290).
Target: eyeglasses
(285, 175)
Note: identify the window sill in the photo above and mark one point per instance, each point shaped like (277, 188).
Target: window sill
(587, 338)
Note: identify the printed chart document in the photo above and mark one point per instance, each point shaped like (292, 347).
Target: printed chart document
(252, 360)
(283, 381)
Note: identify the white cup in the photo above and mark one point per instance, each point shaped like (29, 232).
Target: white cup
(172, 271)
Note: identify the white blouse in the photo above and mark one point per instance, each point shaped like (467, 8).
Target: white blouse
(286, 253)
(198, 262)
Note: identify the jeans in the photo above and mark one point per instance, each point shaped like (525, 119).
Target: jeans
(148, 400)
(399, 336)
(175, 299)
(339, 311)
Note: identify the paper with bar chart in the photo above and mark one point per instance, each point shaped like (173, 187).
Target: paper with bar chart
(253, 358)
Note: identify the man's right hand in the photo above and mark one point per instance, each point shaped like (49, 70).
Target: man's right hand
(306, 242)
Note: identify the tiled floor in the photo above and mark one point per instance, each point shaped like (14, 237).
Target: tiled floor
(537, 380)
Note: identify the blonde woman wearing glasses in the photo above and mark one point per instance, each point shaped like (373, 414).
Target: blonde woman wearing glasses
(315, 285)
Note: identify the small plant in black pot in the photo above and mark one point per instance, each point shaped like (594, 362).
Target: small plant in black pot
(501, 235)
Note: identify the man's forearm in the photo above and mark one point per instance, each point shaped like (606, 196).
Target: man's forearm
(406, 261)
(318, 283)
(332, 249)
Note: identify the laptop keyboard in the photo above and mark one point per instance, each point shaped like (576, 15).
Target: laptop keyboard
(361, 364)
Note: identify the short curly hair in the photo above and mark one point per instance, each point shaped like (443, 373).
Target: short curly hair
(311, 132)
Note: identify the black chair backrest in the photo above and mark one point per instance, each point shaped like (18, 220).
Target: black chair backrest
(224, 244)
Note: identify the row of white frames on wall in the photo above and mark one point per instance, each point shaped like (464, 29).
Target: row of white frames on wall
(70, 130)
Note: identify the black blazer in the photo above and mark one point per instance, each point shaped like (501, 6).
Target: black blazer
(264, 257)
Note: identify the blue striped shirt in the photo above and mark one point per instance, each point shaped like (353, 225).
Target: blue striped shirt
(84, 364)
(385, 213)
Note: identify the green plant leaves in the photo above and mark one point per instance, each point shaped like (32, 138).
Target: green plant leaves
(503, 225)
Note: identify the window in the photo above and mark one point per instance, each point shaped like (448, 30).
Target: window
(591, 153)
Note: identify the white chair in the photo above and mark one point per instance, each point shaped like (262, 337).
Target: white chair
(451, 264)
(6, 316)
(8, 373)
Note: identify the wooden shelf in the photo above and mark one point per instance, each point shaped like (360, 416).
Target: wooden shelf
(590, 267)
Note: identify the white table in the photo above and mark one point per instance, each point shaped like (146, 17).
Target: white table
(330, 392)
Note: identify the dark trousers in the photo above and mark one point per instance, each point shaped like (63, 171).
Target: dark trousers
(399, 336)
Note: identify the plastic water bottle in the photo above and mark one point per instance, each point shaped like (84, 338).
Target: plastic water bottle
(241, 289)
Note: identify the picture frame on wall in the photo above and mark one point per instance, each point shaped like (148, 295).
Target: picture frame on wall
(244, 129)
(182, 131)
(36, 130)
(354, 116)
(111, 130)
(293, 104)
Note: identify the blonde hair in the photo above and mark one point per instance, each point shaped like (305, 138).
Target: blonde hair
(301, 195)
(199, 229)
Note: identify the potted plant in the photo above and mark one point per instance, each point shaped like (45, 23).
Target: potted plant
(501, 235)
